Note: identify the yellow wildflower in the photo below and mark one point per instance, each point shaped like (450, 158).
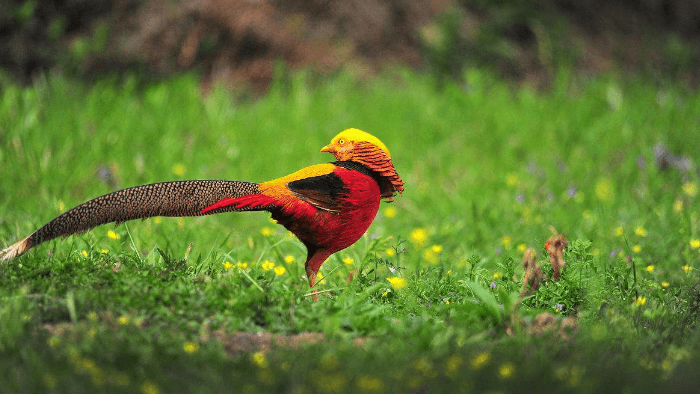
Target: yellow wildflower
(678, 205)
(430, 256)
(123, 320)
(690, 188)
(424, 366)
(650, 268)
(96, 374)
(436, 248)
(414, 382)
(227, 265)
(646, 362)
(666, 365)
(49, 380)
(266, 231)
(687, 268)
(112, 235)
(349, 261)
(179, 169)
(480, 360)
(505, 241)
(496, 275)
(149, 388)
(370, 384)
(665, 284)
(619, 231)
(61, 206)
(280, 270)
(512, 179)
(331, 383)
(242, 266)
(639, 301)
(89, 366)
(259, 359)
(120, 379)
(640, 231)
(397, 283)
(390, 252)
(267, 265)
(92, 316)
(329, 362)
(505, 371)
(53, 341)
(157, 220)
(452, 365)
(289, 259)
(561, 373)
(418, 236)
(521, 248)
(84, 253)
(604, 190)
(637, 248)
(190, 347)
(390, 212)
(104, 251)
(695, 243)
(575, 376)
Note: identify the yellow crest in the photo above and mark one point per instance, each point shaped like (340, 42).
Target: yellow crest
(356, 135)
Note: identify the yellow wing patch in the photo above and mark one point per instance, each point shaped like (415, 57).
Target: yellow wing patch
(277, 188)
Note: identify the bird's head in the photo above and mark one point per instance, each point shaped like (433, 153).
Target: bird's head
(364, 148)
(342, 146)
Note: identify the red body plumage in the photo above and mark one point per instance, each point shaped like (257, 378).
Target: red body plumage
(336, 230)
(326, 220)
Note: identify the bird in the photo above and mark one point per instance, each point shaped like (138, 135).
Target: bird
(328, 207)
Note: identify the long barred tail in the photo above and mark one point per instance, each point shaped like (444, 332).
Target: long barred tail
(179, 198)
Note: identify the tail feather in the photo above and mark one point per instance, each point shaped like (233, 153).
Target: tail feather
(179, 198)
(16, 249)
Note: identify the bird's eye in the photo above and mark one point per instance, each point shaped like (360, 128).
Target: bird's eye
(341, 141)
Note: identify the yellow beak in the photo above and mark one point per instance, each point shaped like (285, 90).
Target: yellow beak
(328, 148)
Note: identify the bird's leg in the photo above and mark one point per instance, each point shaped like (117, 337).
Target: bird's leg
(311, 275)
(315, 259)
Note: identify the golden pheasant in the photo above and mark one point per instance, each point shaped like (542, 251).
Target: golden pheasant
(327, 206)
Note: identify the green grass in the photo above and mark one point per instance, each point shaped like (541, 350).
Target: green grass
(150, 306)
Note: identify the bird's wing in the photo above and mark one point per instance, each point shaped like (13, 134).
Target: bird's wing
(321, 191)
(315, 185)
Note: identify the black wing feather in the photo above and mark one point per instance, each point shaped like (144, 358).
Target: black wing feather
(322, 191)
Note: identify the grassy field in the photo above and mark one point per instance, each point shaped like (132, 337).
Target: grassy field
(164, 305)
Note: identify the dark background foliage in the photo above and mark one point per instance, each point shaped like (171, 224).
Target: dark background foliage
(238, 42)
